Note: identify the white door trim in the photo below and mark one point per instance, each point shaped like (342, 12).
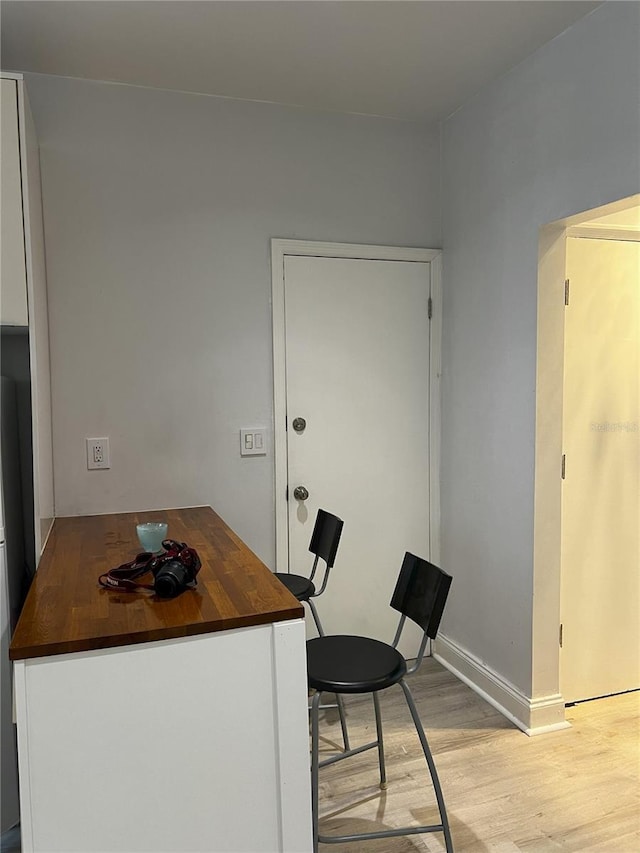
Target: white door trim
(595, 232)
(279, 250)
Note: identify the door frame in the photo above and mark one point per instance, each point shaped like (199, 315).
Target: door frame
(571, 574)
(282, 248)
(547, 709)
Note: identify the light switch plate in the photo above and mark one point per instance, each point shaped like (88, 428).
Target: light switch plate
(253, 441)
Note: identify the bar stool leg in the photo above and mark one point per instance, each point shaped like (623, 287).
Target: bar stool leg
(432, 767)
(343, 722)
(315, 704)
(383, 771)
(316, 618)
(339, 702)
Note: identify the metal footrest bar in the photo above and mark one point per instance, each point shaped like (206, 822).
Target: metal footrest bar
(386, 833)
(325, 762)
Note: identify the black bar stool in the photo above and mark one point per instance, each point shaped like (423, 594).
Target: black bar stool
(324, 546)
(347, 664)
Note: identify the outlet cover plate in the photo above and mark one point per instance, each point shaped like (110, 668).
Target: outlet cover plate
(98, 453)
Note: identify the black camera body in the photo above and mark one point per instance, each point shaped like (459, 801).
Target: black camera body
(174, 570)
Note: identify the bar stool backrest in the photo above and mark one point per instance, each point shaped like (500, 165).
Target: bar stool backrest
(326, 537)
(421, 593)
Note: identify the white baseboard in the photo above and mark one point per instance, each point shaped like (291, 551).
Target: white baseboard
(533, 716)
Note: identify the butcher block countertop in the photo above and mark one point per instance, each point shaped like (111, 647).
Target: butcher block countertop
(67, 611)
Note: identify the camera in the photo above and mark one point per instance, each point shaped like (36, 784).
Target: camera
(174, 570)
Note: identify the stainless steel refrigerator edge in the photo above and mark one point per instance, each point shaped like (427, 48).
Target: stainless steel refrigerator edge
(12, 568)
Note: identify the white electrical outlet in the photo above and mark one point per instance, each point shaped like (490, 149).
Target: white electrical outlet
(98, 453)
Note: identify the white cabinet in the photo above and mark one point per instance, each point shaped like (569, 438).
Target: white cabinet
(23, 290)
(13, 273)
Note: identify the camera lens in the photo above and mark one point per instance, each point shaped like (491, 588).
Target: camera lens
(171, 579)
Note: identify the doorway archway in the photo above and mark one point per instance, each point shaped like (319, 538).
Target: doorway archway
(546, 693)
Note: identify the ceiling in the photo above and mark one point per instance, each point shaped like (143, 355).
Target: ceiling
(409, 60)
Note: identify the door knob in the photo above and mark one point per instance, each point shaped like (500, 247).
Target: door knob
(300, 493)
(299, 424)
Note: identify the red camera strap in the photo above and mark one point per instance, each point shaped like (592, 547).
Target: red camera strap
(123, 579)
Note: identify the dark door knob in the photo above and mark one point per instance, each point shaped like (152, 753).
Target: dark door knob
(299, 424)
(300, 493)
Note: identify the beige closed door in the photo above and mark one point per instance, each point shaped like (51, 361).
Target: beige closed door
(357, 336)
(600, 572)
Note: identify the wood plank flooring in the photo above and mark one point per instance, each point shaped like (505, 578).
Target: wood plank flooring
(575, 790)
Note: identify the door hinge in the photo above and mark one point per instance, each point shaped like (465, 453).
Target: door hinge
(564, 466)
(560, 634)
(566, 291)
(430, 308)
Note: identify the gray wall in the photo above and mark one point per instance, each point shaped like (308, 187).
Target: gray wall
(558, 135)
(159, 208)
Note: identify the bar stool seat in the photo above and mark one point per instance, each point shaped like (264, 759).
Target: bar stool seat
(349, 664)
(301, 587)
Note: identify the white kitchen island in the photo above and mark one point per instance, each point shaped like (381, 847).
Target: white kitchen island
(160, 725)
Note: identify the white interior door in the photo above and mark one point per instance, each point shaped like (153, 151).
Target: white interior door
(357, 335)
(601, 500)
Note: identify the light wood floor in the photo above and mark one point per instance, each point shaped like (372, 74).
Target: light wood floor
(572, 790)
